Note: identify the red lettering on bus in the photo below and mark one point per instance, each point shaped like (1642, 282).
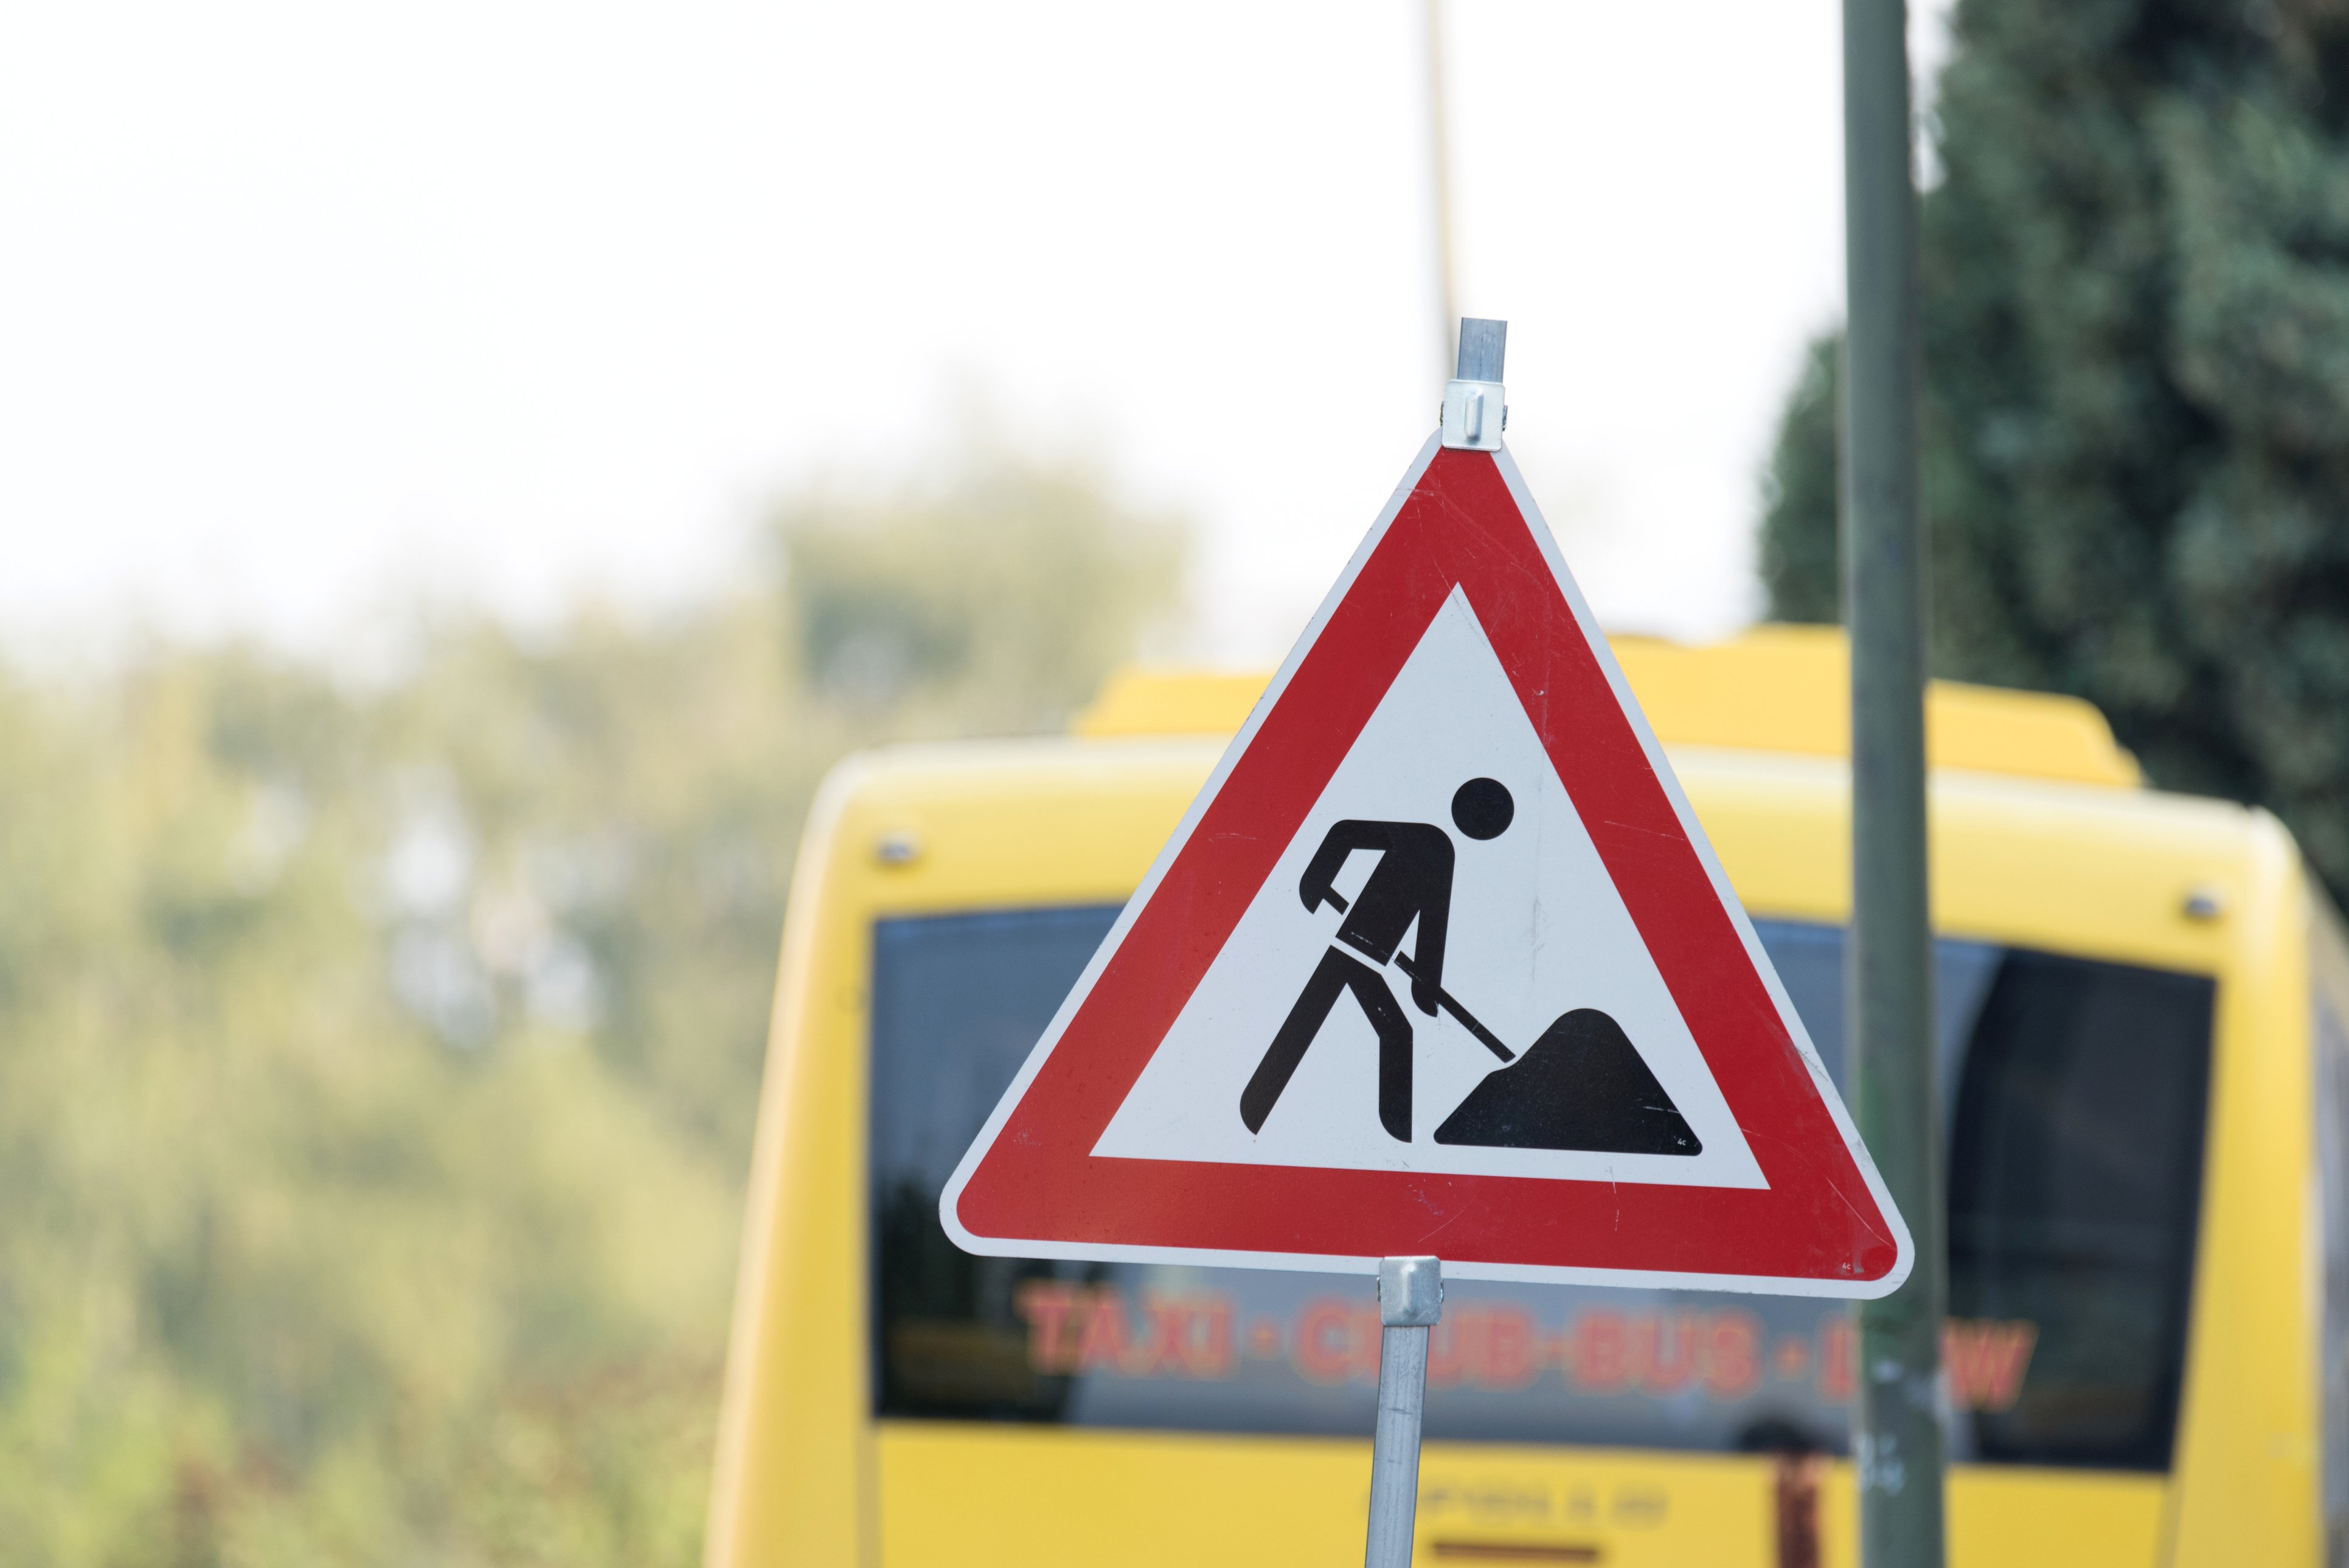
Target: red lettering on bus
(1168, 1347)
(1071, 1329)
(1511, 1358)
(1189, 1334)
(1986, 1361)
(1102, 1342)
(1368, 1335)
(1602, 1351)
(1324, 1352)
(1214, 1353)
(1656, 1371)
(1046, 1304)
(1839, 1360)
(1731, 1363)
(1448, 1349)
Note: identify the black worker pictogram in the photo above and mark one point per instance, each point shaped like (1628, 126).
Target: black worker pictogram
(1582, 1085)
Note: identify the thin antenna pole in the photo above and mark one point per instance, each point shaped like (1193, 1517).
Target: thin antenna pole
(1439, 163)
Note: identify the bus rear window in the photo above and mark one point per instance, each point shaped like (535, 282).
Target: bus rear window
(2074, 1093)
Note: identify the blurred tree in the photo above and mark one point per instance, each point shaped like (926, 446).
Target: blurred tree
(377, 1065)
(997, 601)
(1798, 557)
(2136, 286)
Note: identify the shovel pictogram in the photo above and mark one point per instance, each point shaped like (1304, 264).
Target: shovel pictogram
(1582, 1085)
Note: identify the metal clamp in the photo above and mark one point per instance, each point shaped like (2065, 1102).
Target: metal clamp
(1475, 408)
(1474, 415)
(1410, 1292)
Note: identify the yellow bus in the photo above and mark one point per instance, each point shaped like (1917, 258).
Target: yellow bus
(2143, 1052)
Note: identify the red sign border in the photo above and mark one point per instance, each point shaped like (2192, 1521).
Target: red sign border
(1822, 1225)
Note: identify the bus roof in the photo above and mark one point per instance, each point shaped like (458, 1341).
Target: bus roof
(1773, 688)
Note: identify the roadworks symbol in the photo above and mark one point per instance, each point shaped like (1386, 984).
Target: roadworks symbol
(1581, 1085)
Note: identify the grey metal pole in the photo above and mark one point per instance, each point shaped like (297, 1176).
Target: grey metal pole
(1439, 154)
(1483, 344)
(1410, 1300)
(1897, 1435)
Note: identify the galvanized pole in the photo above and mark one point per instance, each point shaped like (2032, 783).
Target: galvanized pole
(1897, 1437)
(1410, 1300)
(1439, 162)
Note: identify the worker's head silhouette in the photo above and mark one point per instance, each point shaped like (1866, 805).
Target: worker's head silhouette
(1482, 808)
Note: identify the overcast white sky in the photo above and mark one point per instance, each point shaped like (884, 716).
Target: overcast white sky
(307, 308)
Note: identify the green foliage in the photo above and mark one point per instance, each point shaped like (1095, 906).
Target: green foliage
(998, 603)
(1798, 558)
(377, 1065)
(2136, 293)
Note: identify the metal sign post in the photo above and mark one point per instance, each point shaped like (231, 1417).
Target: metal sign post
(1898, 1433)
(1410, 1300)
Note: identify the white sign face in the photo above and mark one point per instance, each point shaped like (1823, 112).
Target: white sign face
(1535, 930)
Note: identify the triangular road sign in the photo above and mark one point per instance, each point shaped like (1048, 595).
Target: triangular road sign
(1439, 963)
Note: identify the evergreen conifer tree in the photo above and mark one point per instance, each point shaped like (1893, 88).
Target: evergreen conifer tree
(2135, 306)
